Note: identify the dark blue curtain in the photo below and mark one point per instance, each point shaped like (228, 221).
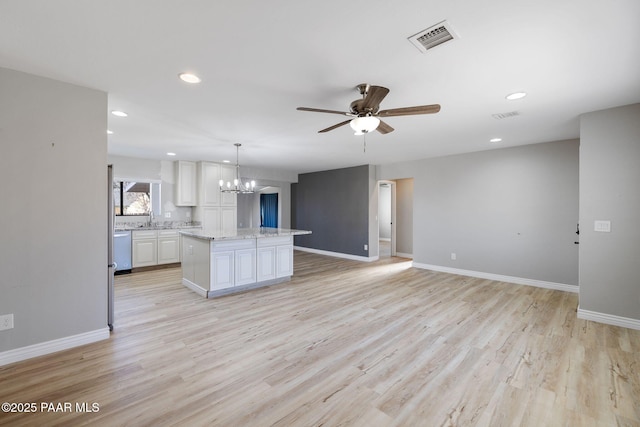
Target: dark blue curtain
(269, 210)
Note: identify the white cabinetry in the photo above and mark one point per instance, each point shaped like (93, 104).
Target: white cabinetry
(284, 260)
(153, 247)
(228, 219)
(185, 183)
(274, 258)
(144, 248)
(222, 263)
(208, 184)
(216, 211)
(168, 246)
(266, 258)
(217, 220)
(235, 265)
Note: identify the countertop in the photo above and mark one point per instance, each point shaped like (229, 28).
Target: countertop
(121, 227)
(245, 233)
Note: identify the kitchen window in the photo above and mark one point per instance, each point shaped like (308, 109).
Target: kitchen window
(131, 198)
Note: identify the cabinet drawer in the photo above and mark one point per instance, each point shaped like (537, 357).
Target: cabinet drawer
(168, 233)
(232, 245)
(144, 234)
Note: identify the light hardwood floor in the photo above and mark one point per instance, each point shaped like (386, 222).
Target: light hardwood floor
(344, 343)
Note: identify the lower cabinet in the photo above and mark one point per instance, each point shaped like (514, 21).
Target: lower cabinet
(233, 263)
(168, 246)
(213, 267)
(284, 260)
(144, 248)
(154, 247)
(275, 258)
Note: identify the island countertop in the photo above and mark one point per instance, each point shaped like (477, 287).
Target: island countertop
(244, 233)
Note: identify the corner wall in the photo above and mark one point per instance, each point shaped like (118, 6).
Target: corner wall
(53, 181)
(610, 191)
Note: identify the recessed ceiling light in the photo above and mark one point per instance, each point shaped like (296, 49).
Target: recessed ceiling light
(516, 95)
(495, 140)
(226, 161)
(171, 154)
(189, 78)
(119, 113)
(109, 132)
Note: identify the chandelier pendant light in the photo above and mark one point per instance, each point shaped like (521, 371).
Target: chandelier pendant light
(238, 186)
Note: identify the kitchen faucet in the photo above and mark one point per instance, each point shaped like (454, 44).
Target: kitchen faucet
(150, 217)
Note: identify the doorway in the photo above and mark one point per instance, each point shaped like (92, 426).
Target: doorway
(269, 210)
(386, 219)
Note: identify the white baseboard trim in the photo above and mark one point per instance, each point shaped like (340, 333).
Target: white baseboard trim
(404, 255)
(195, 288)
(336, 254)
(500, 278)
(48, 347)
(609, 319)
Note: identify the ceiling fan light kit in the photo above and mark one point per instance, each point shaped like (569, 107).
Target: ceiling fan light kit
(238, 186)
(366, 124)
(366, 111)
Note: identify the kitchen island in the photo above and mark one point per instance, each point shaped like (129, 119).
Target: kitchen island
(215, 264)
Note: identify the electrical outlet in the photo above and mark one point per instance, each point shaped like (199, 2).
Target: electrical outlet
(167, 214)
(6, 322)
(453, 256)
(366, 247)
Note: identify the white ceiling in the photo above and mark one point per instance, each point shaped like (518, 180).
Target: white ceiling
(259, 60)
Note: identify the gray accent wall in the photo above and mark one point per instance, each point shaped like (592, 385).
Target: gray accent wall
(610, 191)
(53, 181)
(510, 211)
(334, 205)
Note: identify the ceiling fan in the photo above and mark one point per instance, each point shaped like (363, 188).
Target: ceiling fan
(366, 112)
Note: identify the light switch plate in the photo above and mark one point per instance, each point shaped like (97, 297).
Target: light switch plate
(602, 226)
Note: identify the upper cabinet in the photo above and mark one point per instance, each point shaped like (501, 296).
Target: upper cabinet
(208, 184)
(198, 184)
(185, 183)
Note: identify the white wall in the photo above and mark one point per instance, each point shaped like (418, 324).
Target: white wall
(510, 212)
(53, 181)
(404, 217)
(610, 190)
(132, 168)
(384, 212)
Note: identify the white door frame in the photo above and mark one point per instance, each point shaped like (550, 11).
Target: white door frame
(393, 215)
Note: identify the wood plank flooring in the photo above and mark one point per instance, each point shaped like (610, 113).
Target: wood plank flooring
(344, 343)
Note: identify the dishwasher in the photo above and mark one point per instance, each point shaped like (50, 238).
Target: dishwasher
(122, 252)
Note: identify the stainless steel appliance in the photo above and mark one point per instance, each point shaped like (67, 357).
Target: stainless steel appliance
(122, 251)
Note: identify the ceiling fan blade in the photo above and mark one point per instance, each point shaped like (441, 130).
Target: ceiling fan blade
(409, 111)
(319, 110)
(373, 98)
(334, 126)
(384, 128)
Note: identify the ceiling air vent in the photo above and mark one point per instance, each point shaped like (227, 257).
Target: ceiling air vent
(433, 36)
(508, 115)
